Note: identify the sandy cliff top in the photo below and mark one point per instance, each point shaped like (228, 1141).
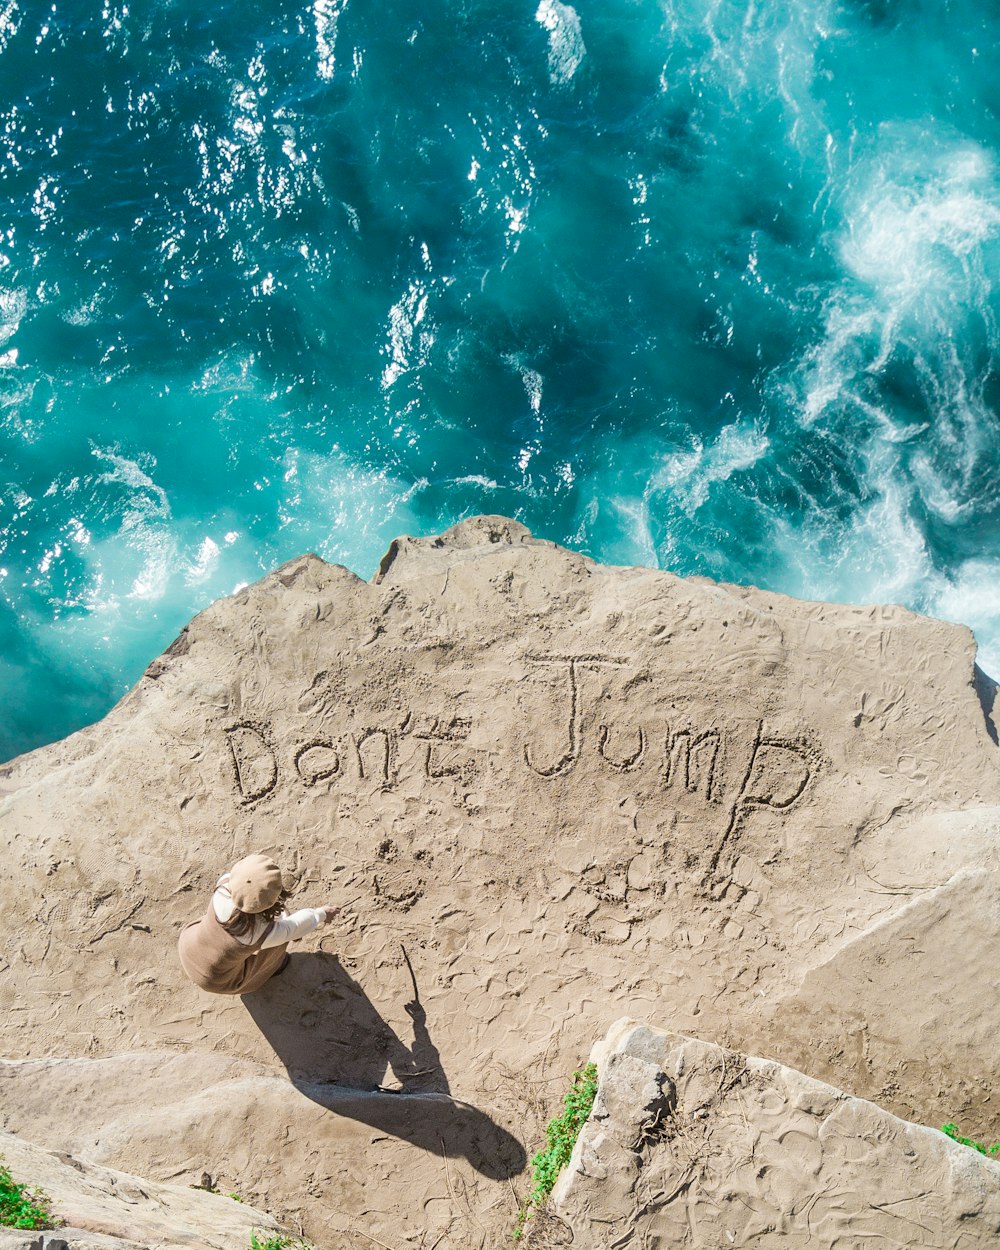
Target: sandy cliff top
(571, 793)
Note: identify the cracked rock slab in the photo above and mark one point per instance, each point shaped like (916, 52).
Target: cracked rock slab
(690, 1145)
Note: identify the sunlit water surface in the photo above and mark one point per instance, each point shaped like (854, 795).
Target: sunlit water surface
(709, 287)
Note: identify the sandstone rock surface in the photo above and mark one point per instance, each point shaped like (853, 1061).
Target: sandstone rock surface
(106, 1209)
(695, 1147)
(547, 794)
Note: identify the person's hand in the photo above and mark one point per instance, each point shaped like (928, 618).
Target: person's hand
(415, 1011)
(330, 911)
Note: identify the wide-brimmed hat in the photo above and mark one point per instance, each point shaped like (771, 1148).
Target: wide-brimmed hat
(255, 883)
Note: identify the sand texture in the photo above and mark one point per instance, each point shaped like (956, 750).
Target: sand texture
(546, 794)
(694, 1147)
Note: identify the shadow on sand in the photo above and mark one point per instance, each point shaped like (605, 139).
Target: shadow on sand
(336, 1047)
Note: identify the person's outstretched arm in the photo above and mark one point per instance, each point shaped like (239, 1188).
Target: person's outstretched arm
(298, 924)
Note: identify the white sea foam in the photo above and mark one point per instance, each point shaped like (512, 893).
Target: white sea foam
(141, 556)
(533, 383)
(634, 521)
(756, 50)
(160, 558)
(230, 375)
(145, 550)
(346, 512)
(144, 498)
(204, 563)
(410, 334)
(919, 248)
(566, 46)
(476, 479)
(10, 20)
(971, 596)
(326, 15)
(85, 311)
(913, 235)
(919, 234)
(881, 556)
(688, 476)
(13, 306)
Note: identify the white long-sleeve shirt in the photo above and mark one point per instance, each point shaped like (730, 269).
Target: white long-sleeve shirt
(286, 927)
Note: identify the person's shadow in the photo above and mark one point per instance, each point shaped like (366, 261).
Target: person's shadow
(336, 1047)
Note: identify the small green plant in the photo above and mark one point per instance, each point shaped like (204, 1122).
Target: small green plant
(278, 1241)
(951, 1130)
(21, 1207)
(235, 1197)
(561, 1134)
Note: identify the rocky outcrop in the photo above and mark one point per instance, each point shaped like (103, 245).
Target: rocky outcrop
(546, 793)
(104, 1209)
(696, 1147)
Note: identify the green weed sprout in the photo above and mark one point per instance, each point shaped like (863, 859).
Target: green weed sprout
(561, 1134)
(991, 1152)
(21, 1207)
(278, 1241)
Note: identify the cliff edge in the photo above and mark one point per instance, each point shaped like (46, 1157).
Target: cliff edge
(547, 794)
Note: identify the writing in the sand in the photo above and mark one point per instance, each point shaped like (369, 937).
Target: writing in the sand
(370, 754)
(728, 768)
(763, 770)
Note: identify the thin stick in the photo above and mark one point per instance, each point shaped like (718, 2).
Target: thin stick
(416, 992)
(447, 1172)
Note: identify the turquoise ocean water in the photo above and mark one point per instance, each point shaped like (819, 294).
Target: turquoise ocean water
(698, 284)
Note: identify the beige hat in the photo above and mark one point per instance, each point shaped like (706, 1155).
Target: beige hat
(255, 883)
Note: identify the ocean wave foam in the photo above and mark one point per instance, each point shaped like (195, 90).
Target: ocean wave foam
(410, 335)
(13, 306)
(900, 375)
(688, 476)
(970, 595)
(566, 46)
(345, 511)
(326, 15)
(10, 20)
(914, 231)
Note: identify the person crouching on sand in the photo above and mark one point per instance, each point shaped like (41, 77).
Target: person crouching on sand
(242, 939)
